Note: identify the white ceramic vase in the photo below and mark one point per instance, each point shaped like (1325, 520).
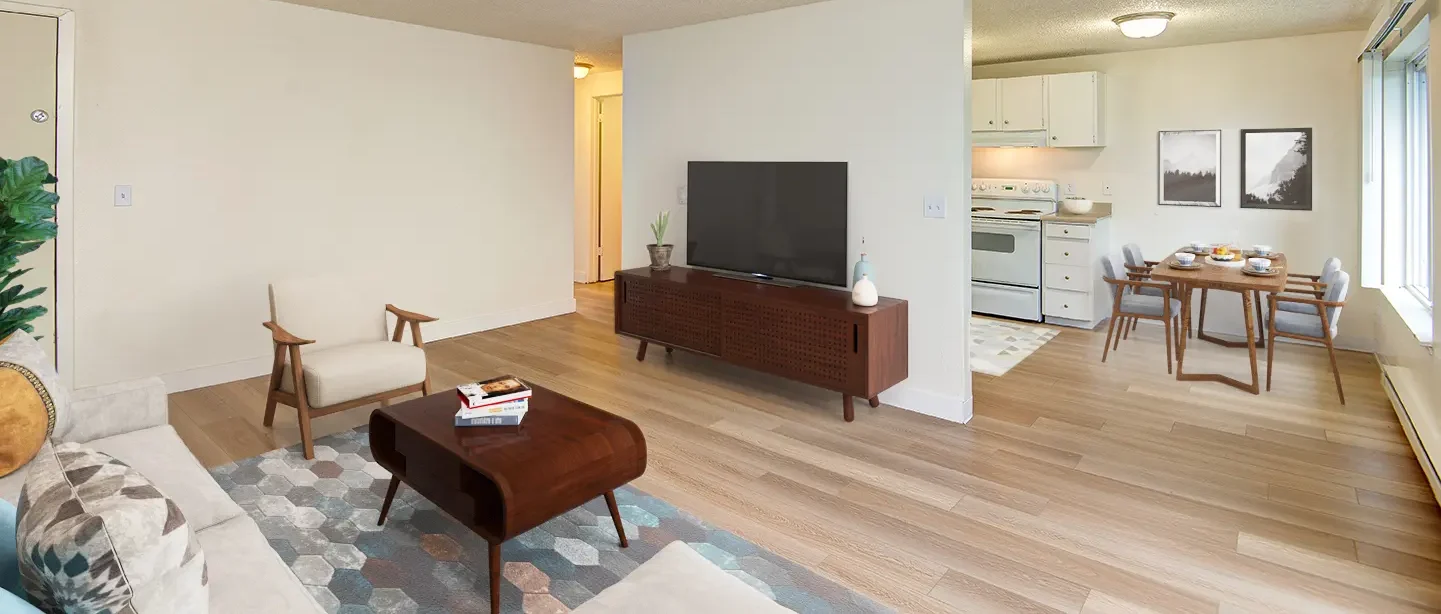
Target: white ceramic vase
(864, 292)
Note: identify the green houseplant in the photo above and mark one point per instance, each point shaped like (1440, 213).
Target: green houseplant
(660, 250)
(27, 221)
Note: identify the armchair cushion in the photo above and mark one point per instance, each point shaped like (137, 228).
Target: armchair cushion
(1141, 304)
(340, 374)
(1292, 323)
(332, 311)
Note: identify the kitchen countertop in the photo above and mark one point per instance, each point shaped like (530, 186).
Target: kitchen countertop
(1099, 211)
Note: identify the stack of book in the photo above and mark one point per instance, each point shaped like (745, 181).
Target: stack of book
(502, 401)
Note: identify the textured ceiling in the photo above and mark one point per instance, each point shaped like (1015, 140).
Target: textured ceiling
(1011, 30)
(1005, 30)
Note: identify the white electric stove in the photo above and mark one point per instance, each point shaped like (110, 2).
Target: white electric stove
(1006, 245)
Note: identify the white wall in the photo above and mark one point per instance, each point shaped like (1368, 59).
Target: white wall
(879, 84)
(586, 91)
(1301, 82)
(267, 140)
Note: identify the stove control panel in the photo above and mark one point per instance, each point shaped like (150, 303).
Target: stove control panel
(1020, 189)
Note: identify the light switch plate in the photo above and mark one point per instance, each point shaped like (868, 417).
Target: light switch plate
(1106, 188)
(935, 206)
(123, 196)
(1070, 189)
(682, 195)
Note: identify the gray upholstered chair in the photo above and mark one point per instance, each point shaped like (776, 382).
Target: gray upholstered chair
(1320, 325)
(1128, 306)
(1137, 267)
(1313, 286)
(348, 361)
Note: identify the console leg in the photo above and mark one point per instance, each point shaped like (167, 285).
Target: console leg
(850, 407)
(640, 353)
(495, 578)
(615, 517)
(670, 350)
(389, 498)
(875, 401)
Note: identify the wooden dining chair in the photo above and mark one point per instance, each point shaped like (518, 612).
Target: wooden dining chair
(1138, 268)
(332, 352)
(1129, 306)
(1319, 325)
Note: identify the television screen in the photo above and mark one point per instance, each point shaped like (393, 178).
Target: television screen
(777, 219)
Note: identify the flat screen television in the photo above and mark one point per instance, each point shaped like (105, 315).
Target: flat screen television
(769, 219)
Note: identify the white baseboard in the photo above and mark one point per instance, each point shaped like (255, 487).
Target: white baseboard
(201, 377)
(943, 406)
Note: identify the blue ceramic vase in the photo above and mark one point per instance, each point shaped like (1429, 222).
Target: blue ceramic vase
(863, 269)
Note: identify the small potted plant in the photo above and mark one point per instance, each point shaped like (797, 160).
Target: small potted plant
(660, 250)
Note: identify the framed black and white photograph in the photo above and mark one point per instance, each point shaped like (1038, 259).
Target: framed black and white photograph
(1276, 169)
(1190, 168)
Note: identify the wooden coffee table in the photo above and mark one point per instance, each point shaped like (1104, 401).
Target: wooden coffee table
(504, 481)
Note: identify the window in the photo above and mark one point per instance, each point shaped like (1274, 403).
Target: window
(1416, 214)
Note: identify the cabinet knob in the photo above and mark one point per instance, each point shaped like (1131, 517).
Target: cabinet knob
(1068, 253)
(1065, 232)
(1068, 278)
(1055, 138)
(1008, 122)
(1065, 306)
(991, 121)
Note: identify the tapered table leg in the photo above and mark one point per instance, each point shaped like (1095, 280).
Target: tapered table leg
(615, 517)
(640, 353)
(494, 577)
(875, 401)
(849, 405)
(389, 497)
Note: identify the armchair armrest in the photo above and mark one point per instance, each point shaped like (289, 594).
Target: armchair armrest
(409, 315)
(1276, 298)
(1313, 284)
(282, 337)
(1152, 262)
(116, 409)
(1139, 269)
(1300, 276)
(1137, 283)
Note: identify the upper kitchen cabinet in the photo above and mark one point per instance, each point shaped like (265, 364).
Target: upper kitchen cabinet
(1023, 103)
(1073, 101)
(1041, 111)
(985, 105)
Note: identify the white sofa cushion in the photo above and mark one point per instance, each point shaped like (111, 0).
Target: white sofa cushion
(159, 454)
(677, 579)
(350, 372)
(246, 575)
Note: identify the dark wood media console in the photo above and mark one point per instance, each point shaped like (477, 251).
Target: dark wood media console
(804, 333)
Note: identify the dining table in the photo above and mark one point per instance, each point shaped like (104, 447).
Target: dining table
(1214, 275)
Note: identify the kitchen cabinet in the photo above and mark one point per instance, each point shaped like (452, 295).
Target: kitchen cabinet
(985, 105)
(1075, 293)
(1073, 102)
(1023, 103)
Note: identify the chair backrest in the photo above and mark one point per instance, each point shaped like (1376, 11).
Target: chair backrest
(1132, 253)
(1113, 270)
(331, 311)
(1336, 291)
(1329, 270)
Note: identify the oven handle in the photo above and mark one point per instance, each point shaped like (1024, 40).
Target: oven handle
(1006, 225)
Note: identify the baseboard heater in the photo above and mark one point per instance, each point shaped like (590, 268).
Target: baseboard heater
(1400, 388)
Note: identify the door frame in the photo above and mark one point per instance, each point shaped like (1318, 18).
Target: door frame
(593, 271)
(64, 171)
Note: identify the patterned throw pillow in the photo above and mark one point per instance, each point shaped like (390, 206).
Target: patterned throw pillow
(96, 537)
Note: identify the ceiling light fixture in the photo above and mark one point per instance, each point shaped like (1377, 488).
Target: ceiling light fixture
(1144, 25)
(582, 69)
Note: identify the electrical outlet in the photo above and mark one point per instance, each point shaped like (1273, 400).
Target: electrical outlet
(1106, 188)
(123, 196)
(935, 206)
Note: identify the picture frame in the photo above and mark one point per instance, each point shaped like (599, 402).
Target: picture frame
(1188, 168)
(1276, 169)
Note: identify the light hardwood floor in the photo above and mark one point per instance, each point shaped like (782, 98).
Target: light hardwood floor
(1078, 486)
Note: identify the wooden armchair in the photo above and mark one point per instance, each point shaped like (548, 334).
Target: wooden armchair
(1319, 325)
(349, 363)
(1139, 269)
(1129, 307)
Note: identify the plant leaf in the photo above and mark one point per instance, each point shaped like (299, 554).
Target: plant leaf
(21, 176)
(43, 230)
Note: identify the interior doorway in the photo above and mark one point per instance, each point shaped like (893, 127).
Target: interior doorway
(28, 120)
(608, 171)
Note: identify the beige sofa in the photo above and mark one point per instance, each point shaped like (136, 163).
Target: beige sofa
(130, 421)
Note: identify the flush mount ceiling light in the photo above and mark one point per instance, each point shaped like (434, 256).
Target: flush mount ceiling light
(1144, 25)
(582, 69)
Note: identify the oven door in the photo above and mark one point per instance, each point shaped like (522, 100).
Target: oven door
(1006, 251)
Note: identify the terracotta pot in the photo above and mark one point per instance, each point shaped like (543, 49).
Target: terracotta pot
(660, 256)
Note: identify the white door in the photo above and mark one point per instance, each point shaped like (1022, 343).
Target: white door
(1023, 103)
(609, 172)
(985, 108)
(1072, 100)
(27, 72)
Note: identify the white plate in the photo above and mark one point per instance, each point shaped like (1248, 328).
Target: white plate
(1235, 262)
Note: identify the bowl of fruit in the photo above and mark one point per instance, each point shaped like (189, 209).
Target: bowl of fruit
(1224, 253)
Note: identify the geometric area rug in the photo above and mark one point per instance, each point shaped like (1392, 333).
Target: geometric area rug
(997, 346)
(320, 515)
